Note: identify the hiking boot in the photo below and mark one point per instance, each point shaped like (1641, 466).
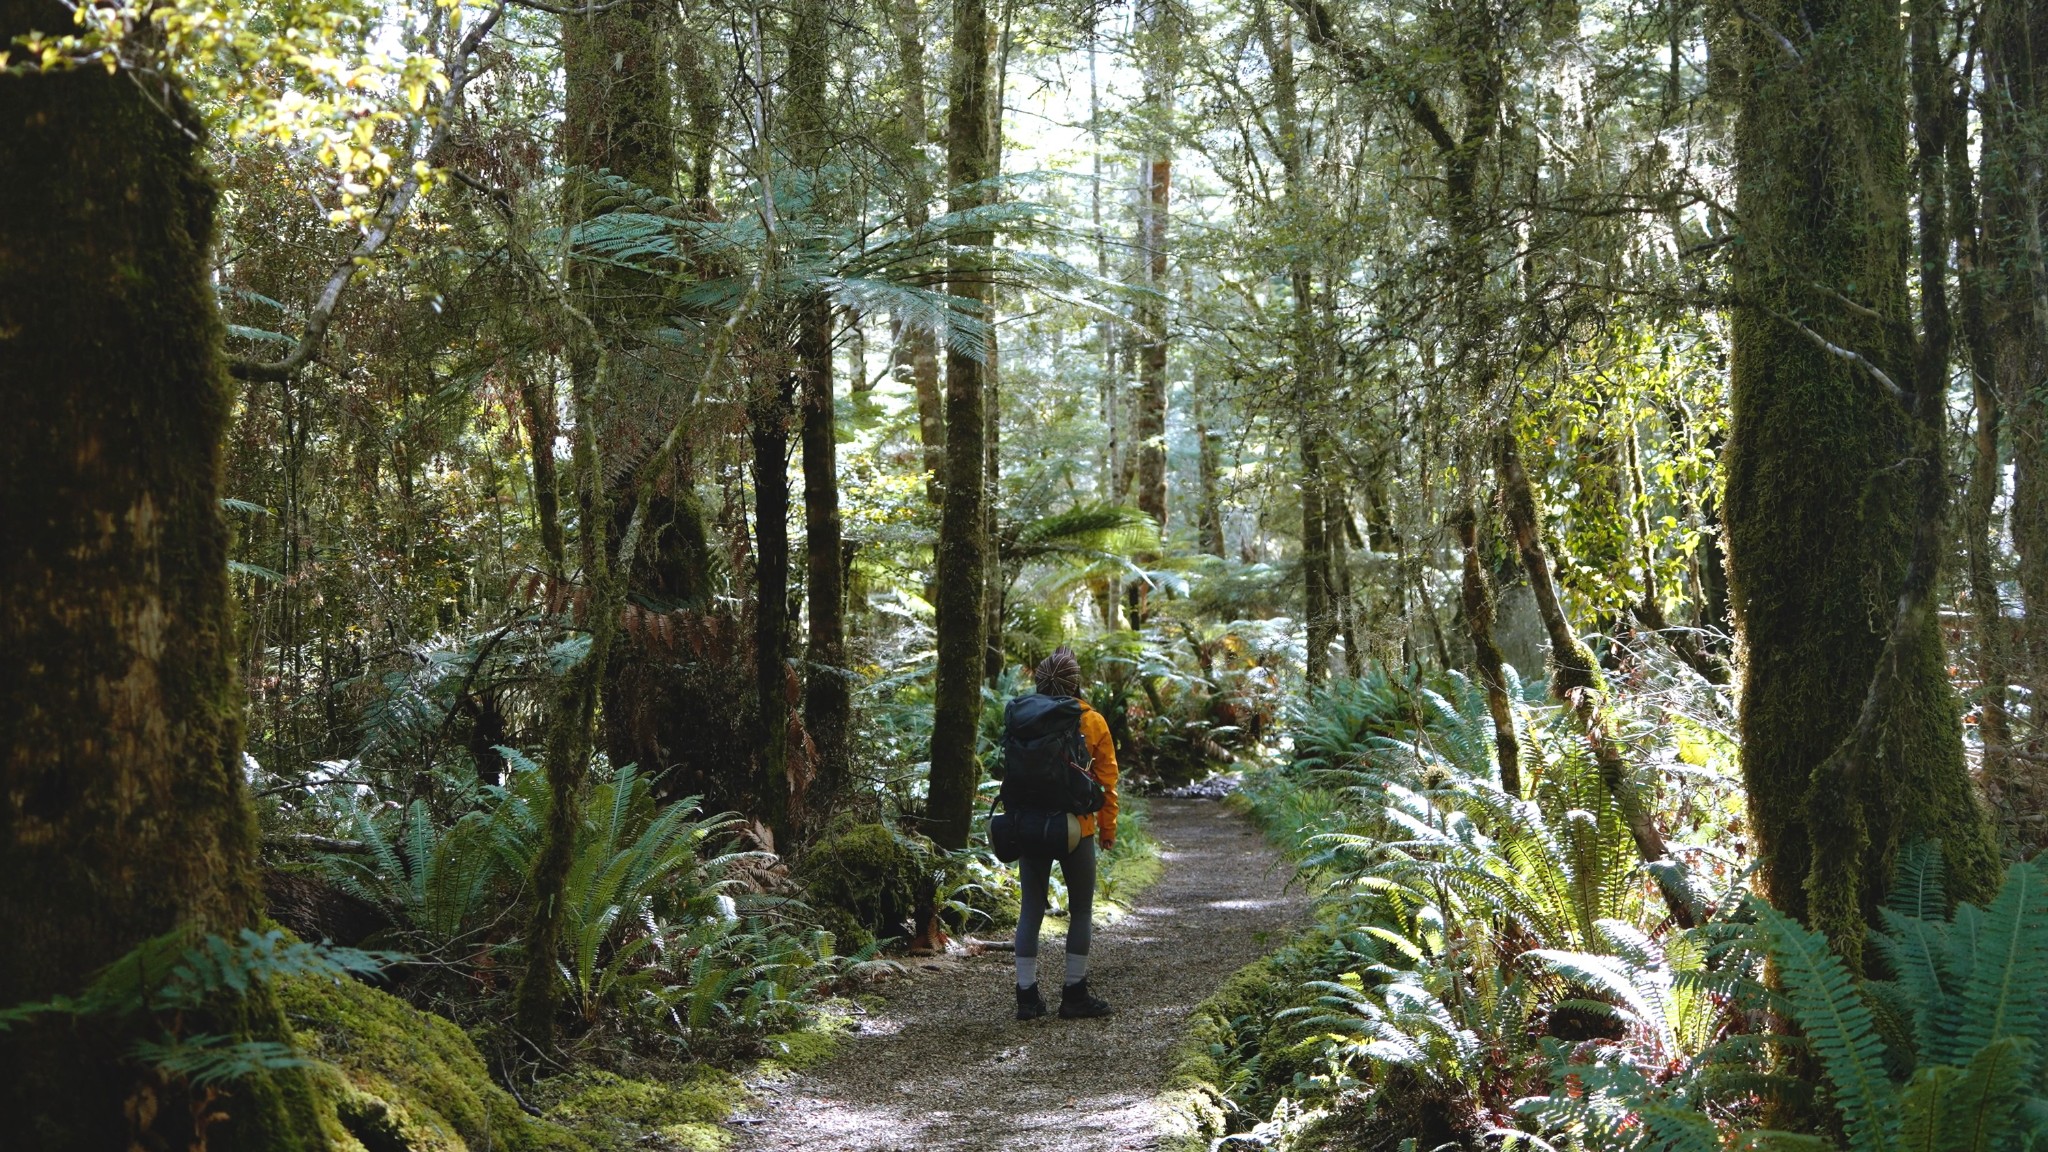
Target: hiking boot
(1077, 1004)
(1030, 1006)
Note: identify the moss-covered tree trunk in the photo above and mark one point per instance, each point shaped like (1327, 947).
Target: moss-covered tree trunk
(828, 700)
(2015, 36)
(961, 562)
(1824, 464)
(617, 118)
(122, 809)
(1479, 620)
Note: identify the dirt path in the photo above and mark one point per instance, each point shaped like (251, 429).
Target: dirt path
(945, 1066)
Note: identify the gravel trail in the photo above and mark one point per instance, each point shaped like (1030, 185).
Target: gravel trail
(945, 1066)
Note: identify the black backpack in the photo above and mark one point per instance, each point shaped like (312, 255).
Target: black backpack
(1045, 758)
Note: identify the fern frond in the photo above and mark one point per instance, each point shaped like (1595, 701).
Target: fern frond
(1971, 1109)
(2008, 981)
(1919, 882)
(1838, 1025)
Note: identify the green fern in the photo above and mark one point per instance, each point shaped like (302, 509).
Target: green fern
(1837, 1024)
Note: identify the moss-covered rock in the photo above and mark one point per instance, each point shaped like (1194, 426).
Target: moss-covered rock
(865, 880)
(397, 1079)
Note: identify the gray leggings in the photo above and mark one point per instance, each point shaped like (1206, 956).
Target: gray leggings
(1077, 868)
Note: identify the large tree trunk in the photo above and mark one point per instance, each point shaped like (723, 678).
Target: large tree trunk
(122, 810)
(963, 544)
(828, 700)
(1821, 495)
(2015, 75)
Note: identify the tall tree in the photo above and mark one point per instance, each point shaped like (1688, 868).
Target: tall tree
(617, 117)
(1277, 40)
(961, 566)
(1826, 461)
(1158, 48)
(2015, 340)
(123, 815)
(828, 698)
(916, 344)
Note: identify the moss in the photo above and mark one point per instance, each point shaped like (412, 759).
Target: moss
(801, 1049)
(612, 1111)
(866, 879)
(396, 1078)
(1819, 513)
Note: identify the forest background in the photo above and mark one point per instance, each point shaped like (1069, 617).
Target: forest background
(1580, 464)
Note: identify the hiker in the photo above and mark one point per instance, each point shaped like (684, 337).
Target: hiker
(1083, 737)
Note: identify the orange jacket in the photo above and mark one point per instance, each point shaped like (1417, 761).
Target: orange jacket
(1095, 730)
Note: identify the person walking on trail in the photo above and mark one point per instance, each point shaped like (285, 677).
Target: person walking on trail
(1091, 825)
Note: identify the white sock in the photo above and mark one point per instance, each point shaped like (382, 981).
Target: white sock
(1027, 971)
(1077, 969)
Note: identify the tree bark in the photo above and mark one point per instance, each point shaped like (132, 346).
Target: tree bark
(962, 548)
(1154, 200)
(123, 814)
(828, 700)
(2015, 37)
(617, 117)
(916, 345)
(1479, 619)
(1822, 505)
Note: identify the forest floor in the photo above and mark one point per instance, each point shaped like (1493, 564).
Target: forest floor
(943, 1064)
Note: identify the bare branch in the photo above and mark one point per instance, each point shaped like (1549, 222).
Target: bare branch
(1784, 45)
(1853, 357)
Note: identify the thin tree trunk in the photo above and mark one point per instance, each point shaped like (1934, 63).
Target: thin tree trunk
(1479, 620)
(1987, 478)
(1575, 681)
(1649, 610)
(1155, 197)
(962, 548)
(539, 404)
(1338, 521)
(1209, 520)
(2014, 159)
(828, 700)
(916, 344)
(1315, 556)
